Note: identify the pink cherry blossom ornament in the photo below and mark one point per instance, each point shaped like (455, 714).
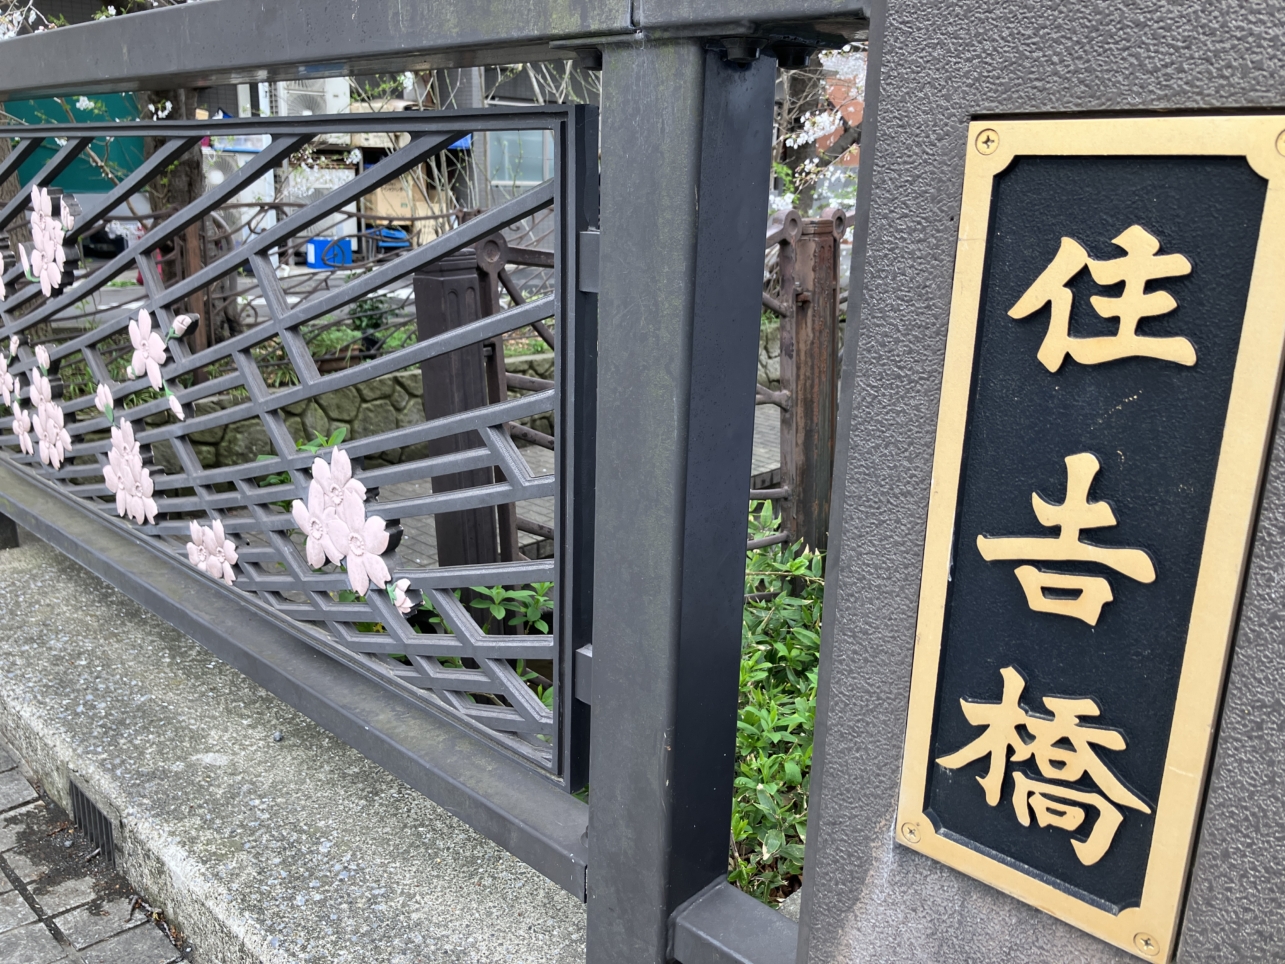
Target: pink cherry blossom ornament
(149, 349)
(361, 540)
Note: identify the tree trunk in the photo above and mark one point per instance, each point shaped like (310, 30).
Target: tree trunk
(19, 229)
(172, 191)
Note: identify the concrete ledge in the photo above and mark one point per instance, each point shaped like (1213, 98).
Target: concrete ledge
(297, 850)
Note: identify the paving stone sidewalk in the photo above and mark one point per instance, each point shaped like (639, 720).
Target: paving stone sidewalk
(59, 902)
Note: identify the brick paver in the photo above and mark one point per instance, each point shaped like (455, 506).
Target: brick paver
(142, 945)
(59, 900)
(30, 944)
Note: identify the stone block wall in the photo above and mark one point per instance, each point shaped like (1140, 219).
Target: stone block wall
(534, 366)
(379, 405)
(770, 354)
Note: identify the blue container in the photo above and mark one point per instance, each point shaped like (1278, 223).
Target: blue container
(389, 238)
(329, 252)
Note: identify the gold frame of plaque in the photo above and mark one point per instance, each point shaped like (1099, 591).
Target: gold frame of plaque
(1148, 930)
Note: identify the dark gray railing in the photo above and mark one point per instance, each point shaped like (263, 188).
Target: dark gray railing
(459, 669)
(654, 432)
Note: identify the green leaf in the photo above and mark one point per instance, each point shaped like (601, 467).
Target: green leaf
(773, 841)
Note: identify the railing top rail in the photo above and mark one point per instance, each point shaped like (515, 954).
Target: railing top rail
(402, 121)
(685, 14)
(243, 41)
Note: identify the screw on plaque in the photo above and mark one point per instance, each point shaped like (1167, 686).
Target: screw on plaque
(911, 832)
(987, 142)
(1147, 944)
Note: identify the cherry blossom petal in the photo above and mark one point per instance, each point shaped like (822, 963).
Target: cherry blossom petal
(353, 512)
(155, 347)
(339, 534)
(213, 565)
(376, 570)
(375, 535)
(315, 549)
(42, 356)
(342, 466)
(322, 478)
(358, 577)
(317, 542)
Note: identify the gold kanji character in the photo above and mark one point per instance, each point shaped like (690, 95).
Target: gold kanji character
(1054, 806)
(1063, 748)
(1074, 515)
(1140, 265)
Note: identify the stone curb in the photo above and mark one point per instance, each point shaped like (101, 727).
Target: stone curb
(259, 850)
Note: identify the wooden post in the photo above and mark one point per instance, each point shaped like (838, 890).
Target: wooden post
(192, 262)
(447, 295)
(810, 372)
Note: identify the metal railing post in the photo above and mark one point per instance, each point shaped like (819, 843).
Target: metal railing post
(685, 166)
(8, 533)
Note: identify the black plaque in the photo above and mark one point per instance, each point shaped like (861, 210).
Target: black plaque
(1155, 427)
(1111, 372)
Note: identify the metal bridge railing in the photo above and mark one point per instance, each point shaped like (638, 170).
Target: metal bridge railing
(154, 380)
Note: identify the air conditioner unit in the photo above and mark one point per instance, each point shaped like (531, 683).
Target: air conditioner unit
(309, 98)
(306, 183)
(241, 212)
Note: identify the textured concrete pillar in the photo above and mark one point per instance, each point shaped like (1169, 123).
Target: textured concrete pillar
(933, 69)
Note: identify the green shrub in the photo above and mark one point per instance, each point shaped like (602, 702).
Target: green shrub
(334, 340)
(780, 644)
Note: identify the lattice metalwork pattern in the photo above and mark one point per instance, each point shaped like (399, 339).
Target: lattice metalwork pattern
(490, 676)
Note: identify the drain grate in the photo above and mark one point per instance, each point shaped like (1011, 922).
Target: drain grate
(89, 818)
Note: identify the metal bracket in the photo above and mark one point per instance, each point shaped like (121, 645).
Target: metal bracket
(584, 674)
(722, 925)
(589, 258)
